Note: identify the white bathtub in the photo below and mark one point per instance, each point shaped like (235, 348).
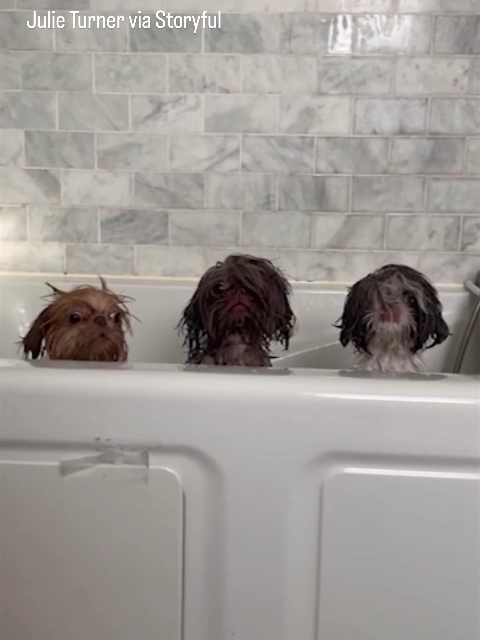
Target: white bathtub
(283, 504)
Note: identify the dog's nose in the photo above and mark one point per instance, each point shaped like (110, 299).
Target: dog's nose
(100, 320)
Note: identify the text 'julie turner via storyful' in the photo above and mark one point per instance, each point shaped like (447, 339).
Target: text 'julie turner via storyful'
(138, 20)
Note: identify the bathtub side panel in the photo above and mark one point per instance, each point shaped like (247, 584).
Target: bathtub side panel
(315, 505)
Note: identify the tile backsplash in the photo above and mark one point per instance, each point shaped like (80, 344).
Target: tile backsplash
(330, 135)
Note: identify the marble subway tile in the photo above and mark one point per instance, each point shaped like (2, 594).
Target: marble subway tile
(62, 224)
(275, 229)
(313, 193)
(29, 186)
(423, 233)
(27, 110)
(340, 266)
(390, 116)
(133, 226)
(314, 114)
(455, 116)
(96, 188)
(244, 34)
(475, 76)
(453, 196)
(351, 155)
(449, 268)
(202, 228)
(165, 39)
(216, 254)
(92, 38)
(316, 34)
(80, 5)
(430, 76)
(87, 112)
(129, 5)
(162, 114)
(15, 35)
(204, 74)
(457, 34)
(348, 231)
(9, 70)
(387, 194)
(394, 33)
(13, 224)
(170, 262)
(132, 151)
(204, 153)
(56, 72)
(473, 155)
(315, 266)
(169, 191)
(109, 260)
(240, 113)
(11, 148)
(279, 74)
(244, 6)
(357, 6)
(32, 257)
(354, 75)
(470, 236)
(237, 191)
(438, 6)
(130, 73)
(278, 154)
(427, 155)
(62, 149)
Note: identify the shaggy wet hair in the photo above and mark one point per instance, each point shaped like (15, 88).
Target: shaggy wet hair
(390, 317)
(87, 323)
(239, 307)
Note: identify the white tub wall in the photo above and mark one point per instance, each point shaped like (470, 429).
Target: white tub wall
(158, 304)
(314, 504)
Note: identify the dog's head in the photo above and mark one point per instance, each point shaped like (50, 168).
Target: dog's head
(399, 304)
(86, 323)
(243, 295)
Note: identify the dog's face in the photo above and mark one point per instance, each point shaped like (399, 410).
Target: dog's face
(396, 303)
(242, 295)
(86, 323)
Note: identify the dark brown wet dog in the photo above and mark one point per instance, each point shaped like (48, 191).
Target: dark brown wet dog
(240, 306)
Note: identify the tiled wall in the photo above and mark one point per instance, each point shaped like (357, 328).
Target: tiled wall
(333, 135)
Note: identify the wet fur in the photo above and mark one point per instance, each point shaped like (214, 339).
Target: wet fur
(218, 333)
(86, 324)
(389, 345)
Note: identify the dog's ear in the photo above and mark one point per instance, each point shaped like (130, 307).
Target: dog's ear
(351, 323)
(432, 328)
(33, 341)
(284, 320)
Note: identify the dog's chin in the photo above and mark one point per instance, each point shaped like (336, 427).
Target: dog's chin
(93, 348)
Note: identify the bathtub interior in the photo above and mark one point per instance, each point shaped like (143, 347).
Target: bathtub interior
(158, 305)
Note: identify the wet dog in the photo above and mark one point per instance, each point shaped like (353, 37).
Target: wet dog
(87, 323)
(239, 307)
(391, 316)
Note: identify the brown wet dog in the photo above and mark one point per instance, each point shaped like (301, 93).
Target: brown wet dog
(391, 316)
(240, 306)
(87, 323)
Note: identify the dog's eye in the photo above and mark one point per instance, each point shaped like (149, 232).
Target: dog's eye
(74, 318)
(116, 317)
(218, 289)
(409, 297)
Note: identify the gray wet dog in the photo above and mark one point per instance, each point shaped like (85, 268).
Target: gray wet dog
(391, 317)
